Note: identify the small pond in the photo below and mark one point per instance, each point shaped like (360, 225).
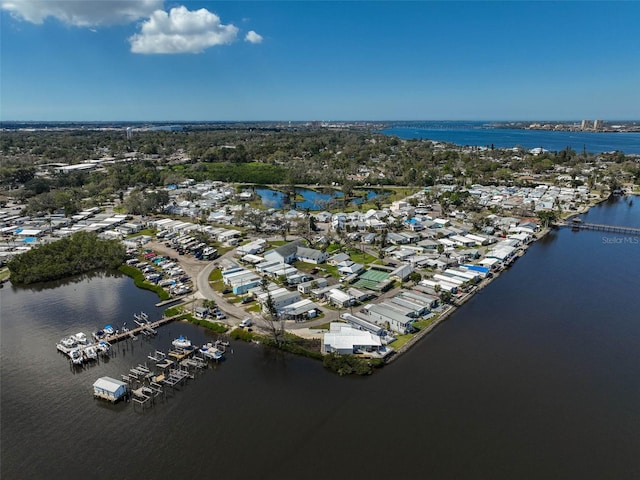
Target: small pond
(311, 199)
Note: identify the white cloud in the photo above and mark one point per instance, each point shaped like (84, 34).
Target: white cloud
(82, 13)
(182, 31)
(253, 37)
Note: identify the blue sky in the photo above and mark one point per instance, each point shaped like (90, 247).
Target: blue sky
(303, 60)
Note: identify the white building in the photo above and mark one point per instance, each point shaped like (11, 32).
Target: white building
(109, 389)
(346, 340)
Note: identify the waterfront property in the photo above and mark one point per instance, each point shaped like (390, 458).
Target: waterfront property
(345, 339)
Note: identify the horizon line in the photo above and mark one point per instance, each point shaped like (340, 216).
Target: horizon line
(322, 121)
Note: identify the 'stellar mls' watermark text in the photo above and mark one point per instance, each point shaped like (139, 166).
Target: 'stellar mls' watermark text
(621, 240)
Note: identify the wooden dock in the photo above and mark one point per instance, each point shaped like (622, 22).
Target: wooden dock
(145, 329)
(170, 301)
(579, 225)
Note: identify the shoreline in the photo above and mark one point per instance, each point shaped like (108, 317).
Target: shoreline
(458, 303)
(486, 282)
(444, 315)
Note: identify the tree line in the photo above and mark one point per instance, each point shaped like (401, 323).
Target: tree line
(79, 253)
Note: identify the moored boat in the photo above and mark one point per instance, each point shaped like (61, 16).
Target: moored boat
(181, 342)
(211, 352)
(90, 353)
(66, 344)
(81, 338)
(99, 335)
(104, 348)
(76, 356)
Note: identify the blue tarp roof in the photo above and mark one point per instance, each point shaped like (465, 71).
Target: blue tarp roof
(476, 268)
(29, 239)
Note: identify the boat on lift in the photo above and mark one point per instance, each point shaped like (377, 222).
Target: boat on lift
(211, 352)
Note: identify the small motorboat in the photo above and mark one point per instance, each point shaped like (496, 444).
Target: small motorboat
(81, 338)
(67, 344)
(104, 348)
(108, 330)
(181, 342)
(76, 356)
(91, 353)
(211, 352)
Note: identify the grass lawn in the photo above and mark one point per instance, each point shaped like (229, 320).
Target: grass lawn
(401, 340)
(218, 286)
(359, 256)
(304, 266)
(331, 270)
(215, 275)
(255, 308)
(4, 273)
(222, 250)
(333, 247)
(278, 243)
(324, 326)
(425, 323)
(398, 193)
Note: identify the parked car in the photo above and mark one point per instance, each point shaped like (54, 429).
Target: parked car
(220, 316)
(247, 322)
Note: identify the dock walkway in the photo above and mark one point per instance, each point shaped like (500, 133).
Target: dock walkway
(578, 225)
(146, 328)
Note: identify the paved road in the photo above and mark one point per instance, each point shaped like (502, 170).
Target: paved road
(199, 272)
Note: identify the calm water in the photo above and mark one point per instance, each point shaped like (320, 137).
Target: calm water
(537, 377)
(313, 200)
(474, 133)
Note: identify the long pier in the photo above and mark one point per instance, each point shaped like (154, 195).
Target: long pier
(577, 225)
(148, 327)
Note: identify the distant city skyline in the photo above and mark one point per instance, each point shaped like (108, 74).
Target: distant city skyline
(151, 60)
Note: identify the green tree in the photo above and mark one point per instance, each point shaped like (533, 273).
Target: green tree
(275, 325)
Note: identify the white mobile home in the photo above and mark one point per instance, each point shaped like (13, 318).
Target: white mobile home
(448, 279)
(386, 316)
(465, 275)
(340, 298)
(362, 324)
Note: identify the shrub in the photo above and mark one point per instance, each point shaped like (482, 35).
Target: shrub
(215, 326)
(241, 334)
(140, 282)
(347, 364)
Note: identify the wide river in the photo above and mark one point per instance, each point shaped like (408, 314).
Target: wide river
(537, 377)
(478, 134)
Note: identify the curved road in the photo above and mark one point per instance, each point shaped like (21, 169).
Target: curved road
(199, 272)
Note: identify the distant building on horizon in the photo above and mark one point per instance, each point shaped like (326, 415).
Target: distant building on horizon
(587, 125)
